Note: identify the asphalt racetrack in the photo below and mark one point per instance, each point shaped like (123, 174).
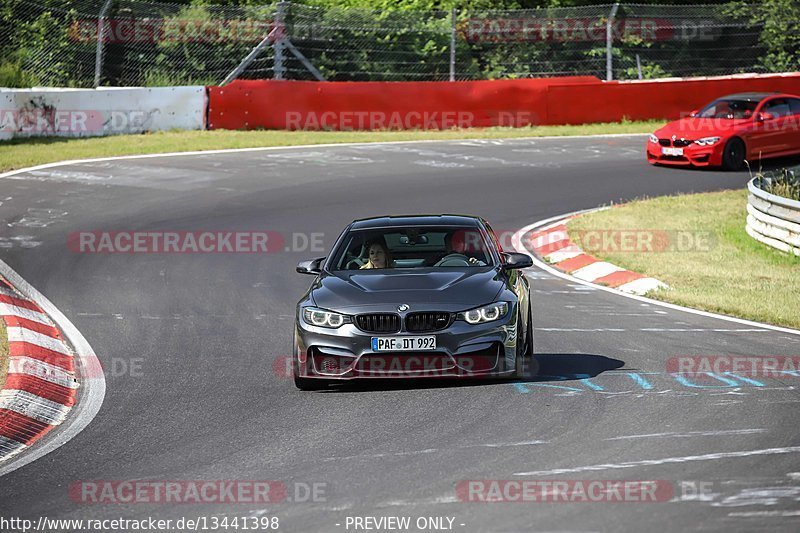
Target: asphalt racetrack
(190, 342)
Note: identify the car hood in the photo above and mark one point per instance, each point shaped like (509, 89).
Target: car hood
(451, 289)
(696, 128)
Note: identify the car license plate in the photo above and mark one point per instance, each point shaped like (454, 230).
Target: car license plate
(672, 151)
(403, 344)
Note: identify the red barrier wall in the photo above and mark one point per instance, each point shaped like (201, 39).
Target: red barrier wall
(251, 104)
(668, 99)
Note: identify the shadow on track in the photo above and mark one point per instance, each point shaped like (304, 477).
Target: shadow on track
(545, 367)
(566, 366)
(776, 163)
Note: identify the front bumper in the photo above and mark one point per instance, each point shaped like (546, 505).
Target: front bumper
(693, 155)
(462, 350)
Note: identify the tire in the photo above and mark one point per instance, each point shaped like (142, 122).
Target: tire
(525, 356)
(529, 341)
(307, 384)
(733, 154)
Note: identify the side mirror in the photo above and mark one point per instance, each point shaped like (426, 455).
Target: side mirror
(762, 117)
(694, 113)
(514, 261)
(313, 267)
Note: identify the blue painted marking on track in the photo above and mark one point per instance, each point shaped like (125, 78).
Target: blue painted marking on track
(524, 387)
(583, 382)
(581, 378)
(584, 378)
(683, 380)
(639, 380)
(744, 379)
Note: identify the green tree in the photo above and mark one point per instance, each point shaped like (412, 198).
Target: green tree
(780, 33)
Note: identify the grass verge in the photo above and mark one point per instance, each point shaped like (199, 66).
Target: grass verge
(725, 271)
(19, 153)
(3, 353)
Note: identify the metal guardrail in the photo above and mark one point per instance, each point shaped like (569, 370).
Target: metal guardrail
(773, 220)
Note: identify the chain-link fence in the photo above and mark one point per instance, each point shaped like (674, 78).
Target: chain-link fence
(130, 42)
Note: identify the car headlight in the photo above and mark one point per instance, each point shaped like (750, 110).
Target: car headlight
(323, 318)
(707, 141)
(487, 313)
(653, 139)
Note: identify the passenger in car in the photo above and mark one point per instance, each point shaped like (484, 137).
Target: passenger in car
(378, 256)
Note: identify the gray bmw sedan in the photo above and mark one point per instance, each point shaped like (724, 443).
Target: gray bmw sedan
(417, 296)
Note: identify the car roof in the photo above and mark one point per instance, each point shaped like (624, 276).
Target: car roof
(416, 220)
(748, 97)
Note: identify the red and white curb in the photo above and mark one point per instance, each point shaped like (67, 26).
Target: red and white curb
(552, 243)
(519, 241)
(41, 386)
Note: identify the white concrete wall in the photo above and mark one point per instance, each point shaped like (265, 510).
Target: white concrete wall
(47, 111)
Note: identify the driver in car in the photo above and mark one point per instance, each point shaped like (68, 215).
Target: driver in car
(458, 247)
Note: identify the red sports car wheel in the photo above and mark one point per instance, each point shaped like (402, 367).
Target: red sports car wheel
(733, 155)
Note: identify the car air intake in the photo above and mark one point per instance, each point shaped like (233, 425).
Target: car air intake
(681, 142)
(378, 323)
(427, 321)
(664, 142)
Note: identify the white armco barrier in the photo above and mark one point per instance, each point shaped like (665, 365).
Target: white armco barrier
(44, 111)
(773, 220)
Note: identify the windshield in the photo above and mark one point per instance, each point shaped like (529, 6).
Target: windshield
(412, 247)
(727, 108)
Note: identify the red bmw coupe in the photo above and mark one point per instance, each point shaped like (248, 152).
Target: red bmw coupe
(730, 130)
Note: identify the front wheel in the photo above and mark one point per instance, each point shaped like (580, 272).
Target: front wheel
(733, 154)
